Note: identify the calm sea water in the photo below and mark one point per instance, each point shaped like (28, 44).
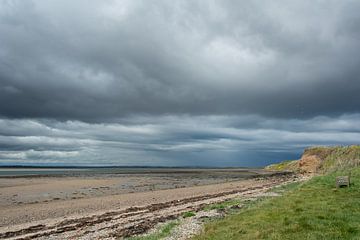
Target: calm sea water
(17, 172)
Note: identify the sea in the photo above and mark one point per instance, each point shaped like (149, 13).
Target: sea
(93, 171)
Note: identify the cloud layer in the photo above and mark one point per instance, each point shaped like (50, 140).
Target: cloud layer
(176, 82)
(172, 141)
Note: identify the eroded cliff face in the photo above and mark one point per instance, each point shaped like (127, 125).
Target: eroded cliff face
(313, 159)
(310, 163)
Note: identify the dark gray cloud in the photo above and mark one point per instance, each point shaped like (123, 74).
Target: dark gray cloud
(101, 60)
(176, 82)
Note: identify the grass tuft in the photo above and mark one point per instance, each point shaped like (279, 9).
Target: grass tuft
(163, 232)
(188, 214)
(223, 205)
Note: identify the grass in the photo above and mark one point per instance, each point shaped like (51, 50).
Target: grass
(223, 205)
(339, 158)
(188, 214)
(286, 187)
(284, 165)
(336, 158)
(310, 210)
(163, 232)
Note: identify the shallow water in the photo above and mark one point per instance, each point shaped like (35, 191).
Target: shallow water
(19, 172)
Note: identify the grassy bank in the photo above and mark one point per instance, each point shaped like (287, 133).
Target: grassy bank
(324, 160)
(311, 210)
(336, 158)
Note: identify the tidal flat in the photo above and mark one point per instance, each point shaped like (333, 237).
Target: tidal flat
(31, 186)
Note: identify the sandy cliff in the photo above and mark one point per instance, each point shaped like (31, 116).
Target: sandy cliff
(317, 160)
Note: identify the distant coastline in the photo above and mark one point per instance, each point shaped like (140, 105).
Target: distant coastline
(81, 171)
(109, 166)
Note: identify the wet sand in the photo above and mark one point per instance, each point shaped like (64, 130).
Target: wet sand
(44, 188)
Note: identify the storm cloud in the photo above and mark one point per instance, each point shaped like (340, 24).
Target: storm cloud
(176, 82)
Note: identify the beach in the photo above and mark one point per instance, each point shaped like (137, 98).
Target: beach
(45, 186)
(51, 206)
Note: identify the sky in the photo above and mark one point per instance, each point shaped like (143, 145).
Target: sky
(176, 83)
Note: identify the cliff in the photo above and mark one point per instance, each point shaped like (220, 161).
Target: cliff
(318, 160)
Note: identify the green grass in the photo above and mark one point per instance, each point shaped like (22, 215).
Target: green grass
(159, 234)
(188, 214)
(286, 187)
(310, 210)
(223, 205)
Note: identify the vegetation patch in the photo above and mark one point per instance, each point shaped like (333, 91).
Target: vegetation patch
(338, 158)
(160, 233)
(288, 165)
(311, 210)
(223, 205)
(188, 214)
(286, 187)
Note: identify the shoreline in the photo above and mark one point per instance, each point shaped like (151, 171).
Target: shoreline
(34, 172)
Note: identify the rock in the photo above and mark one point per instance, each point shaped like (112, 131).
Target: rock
(237, 206)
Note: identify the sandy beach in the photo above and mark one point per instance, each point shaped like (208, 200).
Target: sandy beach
(20, 190)
(49, 207)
